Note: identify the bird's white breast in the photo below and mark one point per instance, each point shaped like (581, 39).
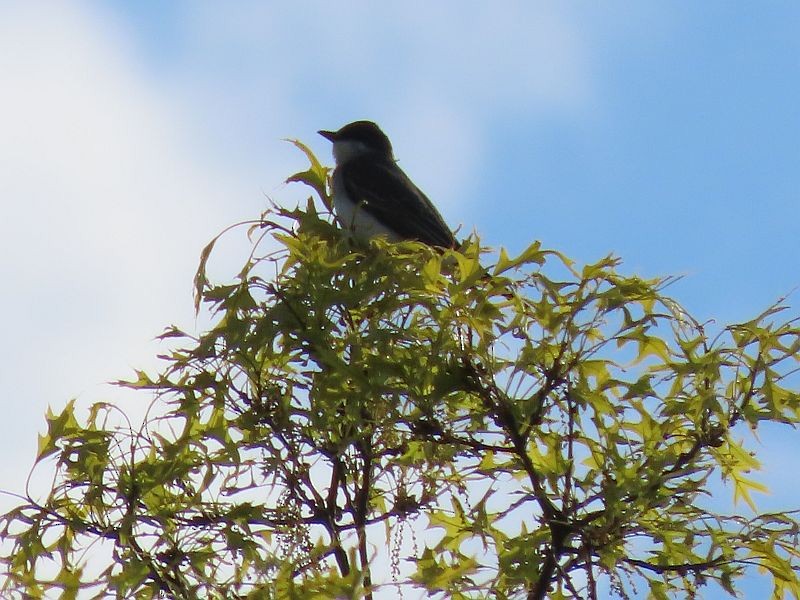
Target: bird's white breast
(354, 218)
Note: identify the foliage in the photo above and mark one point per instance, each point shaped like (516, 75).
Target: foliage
(537, 430)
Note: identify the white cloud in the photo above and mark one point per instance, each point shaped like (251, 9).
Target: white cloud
(106, 206)
(523, 56)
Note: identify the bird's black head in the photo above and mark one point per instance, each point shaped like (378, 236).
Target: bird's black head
(364, 134)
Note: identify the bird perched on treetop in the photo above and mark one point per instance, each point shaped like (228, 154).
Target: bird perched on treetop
(371, 194)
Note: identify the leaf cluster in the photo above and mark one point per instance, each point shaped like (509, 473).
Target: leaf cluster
(545, 429)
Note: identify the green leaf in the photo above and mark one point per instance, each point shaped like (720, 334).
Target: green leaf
(59, 426)
(316, 176)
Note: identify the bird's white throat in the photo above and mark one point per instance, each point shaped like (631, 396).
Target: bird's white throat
(344, 150)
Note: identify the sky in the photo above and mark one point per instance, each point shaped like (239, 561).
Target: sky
(666, 133)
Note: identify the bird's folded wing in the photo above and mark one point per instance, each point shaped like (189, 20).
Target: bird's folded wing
(386, 193)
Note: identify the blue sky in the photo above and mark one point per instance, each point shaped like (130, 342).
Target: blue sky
(666, 133)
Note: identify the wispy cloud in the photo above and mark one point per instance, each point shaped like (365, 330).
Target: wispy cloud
(106, 205)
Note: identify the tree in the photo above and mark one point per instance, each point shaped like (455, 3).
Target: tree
(538, 429)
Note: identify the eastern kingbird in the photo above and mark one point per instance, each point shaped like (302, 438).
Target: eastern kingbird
(371, 194)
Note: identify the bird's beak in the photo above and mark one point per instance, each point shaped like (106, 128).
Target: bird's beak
(328, 135)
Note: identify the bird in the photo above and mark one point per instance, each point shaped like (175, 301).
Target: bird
(372, 196)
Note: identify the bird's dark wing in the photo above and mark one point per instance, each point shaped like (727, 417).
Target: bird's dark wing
(386, 193)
